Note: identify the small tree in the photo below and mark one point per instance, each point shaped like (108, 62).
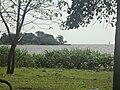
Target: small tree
(16, 14)
(60, 40)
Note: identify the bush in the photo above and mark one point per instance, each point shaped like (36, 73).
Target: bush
(77, 58)
(3, 55)
(24, 59)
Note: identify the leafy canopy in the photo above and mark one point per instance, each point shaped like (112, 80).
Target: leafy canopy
(82, 12)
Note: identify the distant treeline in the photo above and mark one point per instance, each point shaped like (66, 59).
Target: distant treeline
(77, 59)
(39, 38)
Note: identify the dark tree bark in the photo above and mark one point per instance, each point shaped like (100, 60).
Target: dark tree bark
(116, 75)
(14, 40)
(11, 59)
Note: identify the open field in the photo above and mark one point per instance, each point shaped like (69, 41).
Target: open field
(56, 79)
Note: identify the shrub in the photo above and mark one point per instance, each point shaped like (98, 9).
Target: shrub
(77, 58)
(24, 59)
(3, 55)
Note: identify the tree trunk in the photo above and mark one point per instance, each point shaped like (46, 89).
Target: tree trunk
(116, 75)
(11, 59)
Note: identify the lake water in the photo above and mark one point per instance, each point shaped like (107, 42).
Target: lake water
(104, 48)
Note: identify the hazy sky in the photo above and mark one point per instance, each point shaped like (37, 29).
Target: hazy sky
(93, 34)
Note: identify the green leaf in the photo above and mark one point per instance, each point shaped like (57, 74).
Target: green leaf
(50, 18)
(56, 14)
(12, 6)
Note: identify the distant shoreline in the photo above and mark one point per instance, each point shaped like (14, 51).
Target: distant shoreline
(104, 48)
(56, 44)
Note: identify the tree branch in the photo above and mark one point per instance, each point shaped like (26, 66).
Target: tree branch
(8, 14)
(24, 13)
(7, 27)
(18, 16)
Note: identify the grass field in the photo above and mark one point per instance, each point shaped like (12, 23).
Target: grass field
(56, 79)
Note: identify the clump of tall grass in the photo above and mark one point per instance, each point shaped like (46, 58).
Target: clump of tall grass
(76, 58)
(23, 58)
(3, 55)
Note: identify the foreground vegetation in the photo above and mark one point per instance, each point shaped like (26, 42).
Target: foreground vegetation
(69, 59)
(58, 70)
(56, 79)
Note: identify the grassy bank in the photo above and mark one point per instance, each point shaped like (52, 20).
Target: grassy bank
(56, 79)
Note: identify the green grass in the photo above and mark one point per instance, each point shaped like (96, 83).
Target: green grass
(56, 79)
